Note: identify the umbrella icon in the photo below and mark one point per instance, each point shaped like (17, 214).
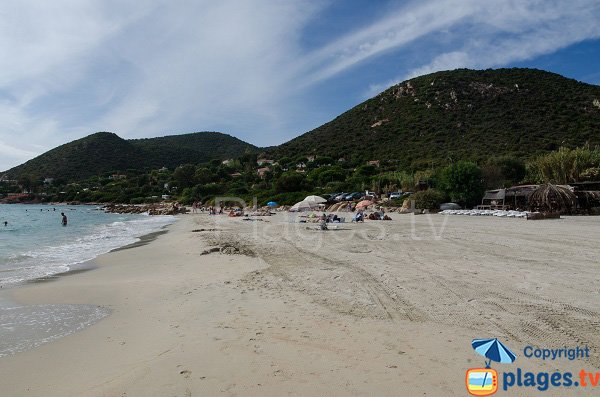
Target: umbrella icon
(493, 350)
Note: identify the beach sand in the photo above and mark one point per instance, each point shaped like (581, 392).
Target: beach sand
(374, 309)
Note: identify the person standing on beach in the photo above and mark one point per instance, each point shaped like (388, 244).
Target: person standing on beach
(64, 219)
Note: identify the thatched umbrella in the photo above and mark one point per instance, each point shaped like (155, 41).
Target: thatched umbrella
(552, 198)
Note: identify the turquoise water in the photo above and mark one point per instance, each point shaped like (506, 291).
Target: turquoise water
(34, 244)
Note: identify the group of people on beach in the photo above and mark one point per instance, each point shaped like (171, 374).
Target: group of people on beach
(197, 207)
(374, 216)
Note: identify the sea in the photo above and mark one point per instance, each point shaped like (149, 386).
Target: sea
(35, 246)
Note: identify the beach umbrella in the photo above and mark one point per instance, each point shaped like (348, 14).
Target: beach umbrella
(272, 204)
(302, 206)
(364, 203)
(449, 206)
(493, 350)
(551, 197)
(315, 199)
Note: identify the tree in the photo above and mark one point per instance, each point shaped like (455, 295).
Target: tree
(290, 182)
(183, 176)
(513, 169)
(248, 159)
(503, 171)
(301, 159)
(285, 160)
(203, 175)
(462, 182)
(365, 171)
(26, 182)
(143, 180)
(323, 160)
(323, 175)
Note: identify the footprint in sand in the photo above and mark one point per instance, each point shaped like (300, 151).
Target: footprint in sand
(186, 374)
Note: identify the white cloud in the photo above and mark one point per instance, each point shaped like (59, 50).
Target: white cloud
(14, 153)
(139, 70)
(48, 41)
(212, 63)
(400, 28)
(504, 32)
(35, 137)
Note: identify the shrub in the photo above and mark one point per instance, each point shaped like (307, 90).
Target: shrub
(428, 199)
(463, 182)
(564, 165)
(591, 174)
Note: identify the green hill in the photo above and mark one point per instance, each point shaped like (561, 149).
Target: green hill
(460, 114)
(422, 122)
(104, 152)
(174, 150)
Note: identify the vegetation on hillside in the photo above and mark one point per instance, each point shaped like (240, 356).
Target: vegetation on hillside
(445, 136)
(461, 115)
(104, 152)
(462, 182)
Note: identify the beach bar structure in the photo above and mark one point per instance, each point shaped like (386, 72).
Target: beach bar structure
(514, 197)
(588, 196)
(517, 197)
(493, 200)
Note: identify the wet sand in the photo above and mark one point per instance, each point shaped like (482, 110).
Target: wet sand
(279, 308)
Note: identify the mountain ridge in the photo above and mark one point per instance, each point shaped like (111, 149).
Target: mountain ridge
(104, 152)
(428, 120)
(520, 112)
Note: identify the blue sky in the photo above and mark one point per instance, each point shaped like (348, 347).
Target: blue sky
(264, 71)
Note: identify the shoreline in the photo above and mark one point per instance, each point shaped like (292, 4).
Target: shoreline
(368, 310)
(143, 240)
(17, 314)
(92, 264)
(88, 264)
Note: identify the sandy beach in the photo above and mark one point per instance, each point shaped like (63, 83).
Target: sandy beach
(223, 306)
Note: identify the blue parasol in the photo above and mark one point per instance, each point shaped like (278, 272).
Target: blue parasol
(272, 204)
(493, 350)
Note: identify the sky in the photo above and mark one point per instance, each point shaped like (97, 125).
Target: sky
(264, 71)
